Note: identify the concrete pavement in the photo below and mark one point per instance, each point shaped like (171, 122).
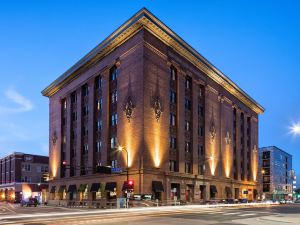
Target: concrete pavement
(288, 214)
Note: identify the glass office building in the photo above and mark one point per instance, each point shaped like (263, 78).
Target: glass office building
(277, 174)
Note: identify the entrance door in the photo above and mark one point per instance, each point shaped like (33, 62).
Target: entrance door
(236, 193)
(202, 192)
(175, 191)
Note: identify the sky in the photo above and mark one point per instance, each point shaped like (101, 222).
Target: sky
(255, 43)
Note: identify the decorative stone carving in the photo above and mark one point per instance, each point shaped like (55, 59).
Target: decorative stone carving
(212, 128)
(254, 149)
(156, 102)
(54, 138)
(129, 104)
(128, 108)
(227, 138)
(157, 106)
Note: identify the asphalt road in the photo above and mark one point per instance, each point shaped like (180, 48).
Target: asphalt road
(267, 215)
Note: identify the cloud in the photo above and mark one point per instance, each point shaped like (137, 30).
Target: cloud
(23, 104)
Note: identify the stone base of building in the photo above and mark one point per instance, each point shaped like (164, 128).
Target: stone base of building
(148, 185)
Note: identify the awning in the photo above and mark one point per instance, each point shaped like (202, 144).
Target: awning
(157, 186)
(82, 188)
(72, 188)
(53, 188)
(213, 189)
(62, 188)
(110, 186)
(95, 187)
(228, 190)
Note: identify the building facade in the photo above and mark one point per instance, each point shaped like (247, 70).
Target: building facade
(277, 174)
(22, 176)
(189, 131)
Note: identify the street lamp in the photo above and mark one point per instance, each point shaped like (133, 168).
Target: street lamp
(263, 172)
(121, 148)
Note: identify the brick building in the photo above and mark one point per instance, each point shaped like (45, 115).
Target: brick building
(22, 176)
(189, 131)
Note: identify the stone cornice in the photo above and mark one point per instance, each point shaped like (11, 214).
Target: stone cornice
(146, 20)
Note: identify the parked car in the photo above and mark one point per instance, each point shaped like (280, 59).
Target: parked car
(230, 201)
(243, 200)
(297, 201)
(30, 202)
(282, 201)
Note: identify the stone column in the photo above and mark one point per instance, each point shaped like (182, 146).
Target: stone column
(105, 118)
(91, 126)
(78, 132)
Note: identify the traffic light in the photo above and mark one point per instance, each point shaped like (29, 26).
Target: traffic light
(130, 185)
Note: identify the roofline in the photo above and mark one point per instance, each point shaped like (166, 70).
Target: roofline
(145, 19)
(273, 146)
(22, 153)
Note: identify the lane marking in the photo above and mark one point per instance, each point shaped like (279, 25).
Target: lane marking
(233, 213)
(248, 214)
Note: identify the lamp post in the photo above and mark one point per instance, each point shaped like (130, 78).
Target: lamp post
(121, 149)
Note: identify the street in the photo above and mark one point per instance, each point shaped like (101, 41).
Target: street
(281, 214)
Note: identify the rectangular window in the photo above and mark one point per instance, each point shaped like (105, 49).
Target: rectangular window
(114, 163)
(26, 167)
(113, 73)
(200, 92)
(85, 110)
(200, 169)
(188, 168)
(114, 119)
(64, 104)
(85, 131)
(85, 90)
(173, 73)
(98, 82)
(173, 97)
(200, 150)
(173, 143)
(200, 111)
(187, 104)
(172, 120)
(99, 104)
(187, 146)
(187, 125)
(200, 131)
(172, 165)
(73, 97)
(74, 116)
(113, 142)
(98, 146)
(85, 149)
(99, 125)
(114, 97)
(188, 82)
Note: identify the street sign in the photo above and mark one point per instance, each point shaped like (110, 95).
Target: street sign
(116, 170)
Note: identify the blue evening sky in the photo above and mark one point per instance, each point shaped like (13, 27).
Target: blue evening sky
(255, 43)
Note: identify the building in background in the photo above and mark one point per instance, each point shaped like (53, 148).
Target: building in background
(187, 131)
(22, 177)
(277, 173)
